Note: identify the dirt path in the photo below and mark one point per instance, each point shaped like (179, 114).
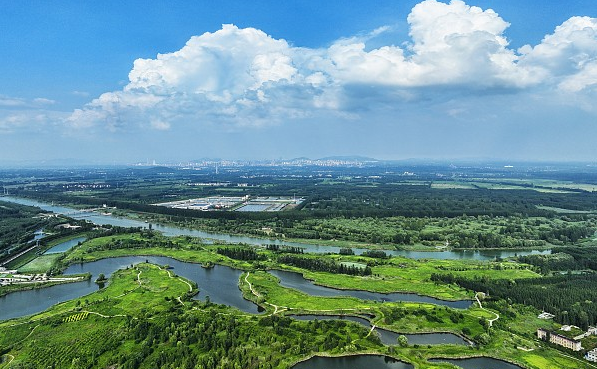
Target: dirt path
(11, 359)
(102, 315)
(179, 298)
(277, 308)
(497, 316)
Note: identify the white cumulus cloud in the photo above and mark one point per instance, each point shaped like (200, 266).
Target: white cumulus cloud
(244, 77)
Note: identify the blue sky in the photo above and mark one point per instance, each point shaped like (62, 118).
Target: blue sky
(271, 79)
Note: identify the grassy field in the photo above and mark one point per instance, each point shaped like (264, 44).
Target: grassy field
(40, 264)
(407, 275)
(150, 292)
(25, 259)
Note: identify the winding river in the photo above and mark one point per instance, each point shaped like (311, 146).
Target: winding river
(258, 241)
(220, 283)
(298, 282)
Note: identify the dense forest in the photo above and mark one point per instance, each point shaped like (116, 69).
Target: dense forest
(463, 231)
(323, 265)
(569, 297)
(240, 253)
(353, 201)
(18, 223)
(567, 258)
(208, 338)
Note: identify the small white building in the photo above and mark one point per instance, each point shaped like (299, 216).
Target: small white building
(592, 355)
(545, 315)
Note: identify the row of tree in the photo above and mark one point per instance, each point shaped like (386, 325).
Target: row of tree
(323, 265)
(240, 253)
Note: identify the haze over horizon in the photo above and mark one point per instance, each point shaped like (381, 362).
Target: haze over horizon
(123, 82)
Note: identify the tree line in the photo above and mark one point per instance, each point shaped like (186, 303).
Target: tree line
(569, 297)
(323, 265)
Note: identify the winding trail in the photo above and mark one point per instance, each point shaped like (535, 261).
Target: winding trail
(371, 330)
(277, 308)
(497, 316)
(30, 333)
(102, 315)
(11, 359)
(179, 298)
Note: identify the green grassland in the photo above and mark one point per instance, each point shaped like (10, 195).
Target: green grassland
(31, 261)
(40, 264)
(105, 328)
(396, 275)
(400, 274)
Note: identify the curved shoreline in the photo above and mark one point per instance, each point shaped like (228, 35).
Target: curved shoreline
(42, 285)
(383, 293)
(463, 357)
(380, 327)
(348, 354)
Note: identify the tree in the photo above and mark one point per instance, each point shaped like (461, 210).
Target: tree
(402, 340)
(483, 338)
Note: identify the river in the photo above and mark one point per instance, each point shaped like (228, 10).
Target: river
(259, 241)
(353, 362)
(220, 283)
(478, 363)
(298, 282)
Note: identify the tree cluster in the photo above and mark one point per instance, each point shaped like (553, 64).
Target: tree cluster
(323, 265)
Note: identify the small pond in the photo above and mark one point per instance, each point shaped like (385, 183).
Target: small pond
(353, 362)
(478, 363)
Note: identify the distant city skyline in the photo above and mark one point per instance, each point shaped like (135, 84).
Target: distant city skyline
(121, 82)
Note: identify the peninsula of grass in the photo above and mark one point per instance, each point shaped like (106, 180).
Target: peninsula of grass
(396, 274)
(110, 323)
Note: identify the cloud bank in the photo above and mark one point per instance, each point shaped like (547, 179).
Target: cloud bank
(237, 77)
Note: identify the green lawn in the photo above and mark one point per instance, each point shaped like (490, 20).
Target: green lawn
(41, 264)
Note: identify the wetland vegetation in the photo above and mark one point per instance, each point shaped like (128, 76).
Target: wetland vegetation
(149, 314)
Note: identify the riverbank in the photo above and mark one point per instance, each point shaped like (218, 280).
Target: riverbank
(254, 240)
(138, 285)
(35, 285)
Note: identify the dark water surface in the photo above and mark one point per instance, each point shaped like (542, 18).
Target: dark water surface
(353, 362)
(220, 283)
(298, 282)
(314, 248)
